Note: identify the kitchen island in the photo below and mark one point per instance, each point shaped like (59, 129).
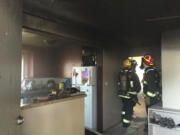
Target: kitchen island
(55, 117)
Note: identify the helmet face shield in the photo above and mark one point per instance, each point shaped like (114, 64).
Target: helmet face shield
(142, 63)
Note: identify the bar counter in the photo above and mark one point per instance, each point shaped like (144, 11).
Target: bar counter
(46, 102)
(63, 116)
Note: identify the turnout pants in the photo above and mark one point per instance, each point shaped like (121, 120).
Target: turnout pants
(127, 111)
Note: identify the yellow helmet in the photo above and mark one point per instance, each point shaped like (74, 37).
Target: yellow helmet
(127, 63)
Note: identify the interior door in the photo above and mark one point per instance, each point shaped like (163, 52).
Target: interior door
(10, 65)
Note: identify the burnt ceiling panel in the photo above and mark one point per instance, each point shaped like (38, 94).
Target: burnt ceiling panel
(70, 11)
(107, 15)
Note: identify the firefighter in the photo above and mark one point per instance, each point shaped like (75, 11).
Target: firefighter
(128, 88)
(151, 81)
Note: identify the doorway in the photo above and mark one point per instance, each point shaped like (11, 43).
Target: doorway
(139, 109)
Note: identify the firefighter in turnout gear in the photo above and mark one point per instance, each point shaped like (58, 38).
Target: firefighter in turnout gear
(128, 88)
(151, 81)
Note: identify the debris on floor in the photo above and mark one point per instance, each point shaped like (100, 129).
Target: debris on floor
(136, 128)
(91, 132)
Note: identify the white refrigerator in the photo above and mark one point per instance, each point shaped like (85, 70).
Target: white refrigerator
(85, 78)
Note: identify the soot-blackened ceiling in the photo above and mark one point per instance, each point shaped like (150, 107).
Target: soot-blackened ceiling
(106, 15)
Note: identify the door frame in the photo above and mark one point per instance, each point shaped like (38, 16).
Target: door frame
(100, 90)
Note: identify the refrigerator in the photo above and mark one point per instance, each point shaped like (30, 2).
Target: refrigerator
(85, 79)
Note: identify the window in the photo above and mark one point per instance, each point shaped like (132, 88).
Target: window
(27, 63)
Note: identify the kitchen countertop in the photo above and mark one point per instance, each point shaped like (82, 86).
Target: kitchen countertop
(42, 103)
